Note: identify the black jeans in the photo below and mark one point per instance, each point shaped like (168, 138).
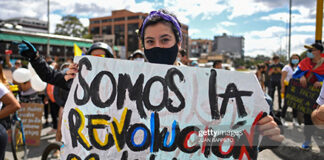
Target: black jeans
(3, 141)
(272, 88)
(285, 107)
(54, 113)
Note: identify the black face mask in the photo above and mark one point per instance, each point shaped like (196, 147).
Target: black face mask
(162, 55)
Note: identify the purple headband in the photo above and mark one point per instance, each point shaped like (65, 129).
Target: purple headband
(165, 17)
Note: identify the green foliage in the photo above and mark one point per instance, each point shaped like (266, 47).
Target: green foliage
(71, 26)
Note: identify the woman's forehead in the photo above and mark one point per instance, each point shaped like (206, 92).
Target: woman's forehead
(158, 30)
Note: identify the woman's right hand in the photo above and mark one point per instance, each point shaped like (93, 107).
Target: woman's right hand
(303, 81)
(71, 73)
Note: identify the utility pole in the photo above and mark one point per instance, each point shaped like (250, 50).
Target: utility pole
(48, 27)
(289, 31)
(319, 21)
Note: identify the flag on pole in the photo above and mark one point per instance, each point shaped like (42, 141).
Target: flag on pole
(77, 51)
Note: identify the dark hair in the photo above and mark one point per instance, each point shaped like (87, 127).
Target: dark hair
(156, 19)
(183, 52)
(260, 66)
(275, 57)
(217, 62)
(291, 58)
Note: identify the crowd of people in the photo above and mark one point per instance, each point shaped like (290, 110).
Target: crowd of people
(161, 38)
(308, 71)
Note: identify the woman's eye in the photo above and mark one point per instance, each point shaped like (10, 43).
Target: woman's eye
(149, 42)
(165, 40)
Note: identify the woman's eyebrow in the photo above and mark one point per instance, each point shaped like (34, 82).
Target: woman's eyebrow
(148, 38)
(165, 35)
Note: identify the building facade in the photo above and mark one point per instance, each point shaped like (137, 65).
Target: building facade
(200, 46)
(230, 46)
(120, 30)
(27, 24)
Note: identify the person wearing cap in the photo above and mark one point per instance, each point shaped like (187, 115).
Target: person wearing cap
(138, 55)
(310, 70)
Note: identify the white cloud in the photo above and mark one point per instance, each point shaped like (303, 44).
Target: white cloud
(246, 8)
(264, 42)
(54, 19)
(193, 31)
(84, 21)
(185, 9)
(219, 30)
(307, 28)
(272, 39)
(284, 17)
(227, 23)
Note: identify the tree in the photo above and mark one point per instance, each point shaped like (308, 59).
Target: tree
(71, 26)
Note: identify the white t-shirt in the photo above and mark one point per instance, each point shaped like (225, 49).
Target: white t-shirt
(320, 99)
(289, 71)
(3, 91)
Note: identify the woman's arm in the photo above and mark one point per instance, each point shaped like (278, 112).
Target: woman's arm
(283, 77)
(11, 104)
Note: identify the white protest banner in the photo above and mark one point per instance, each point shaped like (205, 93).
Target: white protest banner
(120, 109)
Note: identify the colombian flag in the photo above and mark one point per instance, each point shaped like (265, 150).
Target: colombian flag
(305, 68)
(77, 51)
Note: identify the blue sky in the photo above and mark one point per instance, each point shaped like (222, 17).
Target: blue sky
(263, 23)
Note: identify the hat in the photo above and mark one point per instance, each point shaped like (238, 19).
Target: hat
(21, 75)
(318, 46)
(138, 52)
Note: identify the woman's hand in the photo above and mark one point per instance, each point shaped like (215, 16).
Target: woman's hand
(268, 127)
(71, 73)
(303, 81)
(317, 84)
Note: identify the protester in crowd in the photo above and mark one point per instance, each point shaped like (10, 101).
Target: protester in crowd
(266, 75)
(13, 67)
(54, 107)
(138, 55)
(8, 105)
(286, 75)
(218, 64)
(275, 78)
(161, 37)
(194, 63)
(26, 93)
(310, 70)
(260, 75)
(60, 96)
(3, 78)
(183, 57)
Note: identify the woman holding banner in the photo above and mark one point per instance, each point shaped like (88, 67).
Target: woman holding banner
(286, 75)
(161, 37)
(310, 70)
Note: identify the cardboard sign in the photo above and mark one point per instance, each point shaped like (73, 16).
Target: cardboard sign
(300, 98)
(31, 116)
(120, 109)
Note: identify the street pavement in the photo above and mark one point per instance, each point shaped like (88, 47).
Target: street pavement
(294, 135)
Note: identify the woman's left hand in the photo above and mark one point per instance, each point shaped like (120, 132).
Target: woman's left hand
(268, 127)
(317, 84)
